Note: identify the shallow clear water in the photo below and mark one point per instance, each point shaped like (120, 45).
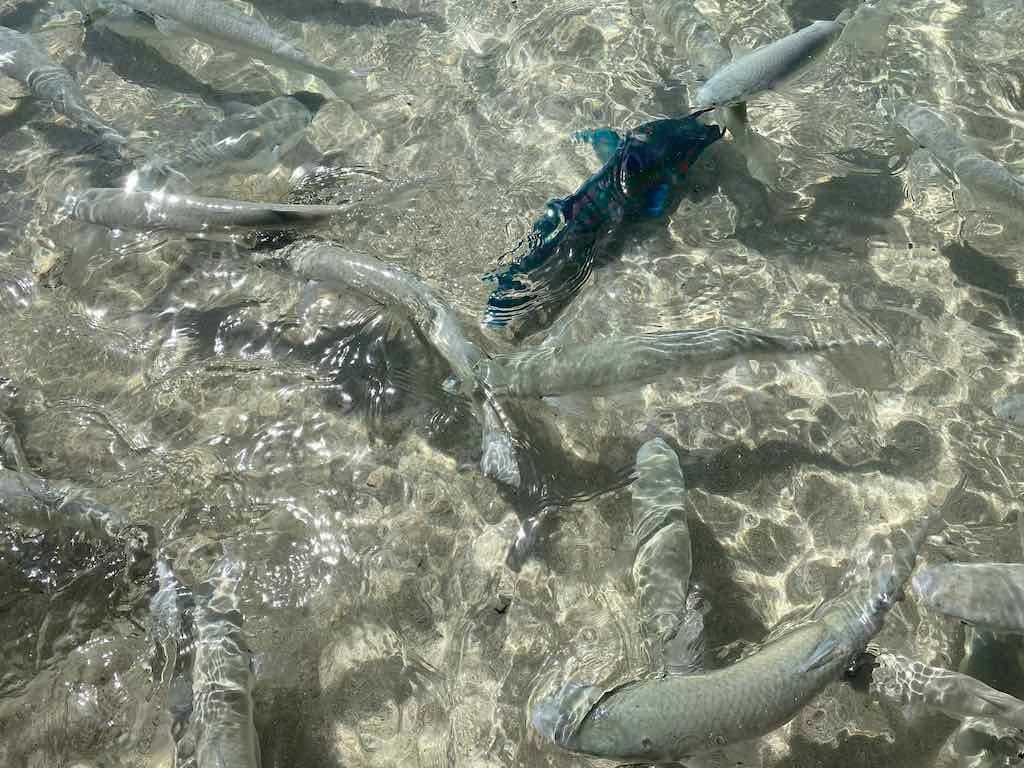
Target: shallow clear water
(194, 391)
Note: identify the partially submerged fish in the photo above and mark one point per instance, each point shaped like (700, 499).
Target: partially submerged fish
(987, 182)
(988, 595)
(223, 25)
(769, 66)
(621, 361)
(222, 676)
(48, 81)
(904, 681)
(250, 141)
(680, 716)
(762, 69)
(117, 208)
(391, 285)
(641, 172)
(663, 561)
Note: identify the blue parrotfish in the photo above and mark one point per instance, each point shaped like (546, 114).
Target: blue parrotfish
(641, 171)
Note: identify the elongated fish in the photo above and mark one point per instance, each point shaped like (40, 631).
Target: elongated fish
(907, 682)
(117, 208)
(390, 285)
(769, 66)
(680, 716)
(663, 561)
(988, 595)
(619, 362)
(641, 172)
(172, 629)
(222, 676)
(222, 25)
(251, 141)
(24, 61)
(988, 182)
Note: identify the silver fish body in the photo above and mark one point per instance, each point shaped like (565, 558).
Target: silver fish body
(664, 560)
(390, 285)
(676, 717)
(117, 208)
(766, 67)
(252, 141)
(988, 595)
(222, 677)
(613, 363)
(988, 182)
(24, 61)
(904, 681)
(222, 25)
(33, 501)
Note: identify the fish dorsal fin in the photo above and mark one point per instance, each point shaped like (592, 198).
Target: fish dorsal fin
(684, 651)
(738, 50)
(826, 651)
(604, 141)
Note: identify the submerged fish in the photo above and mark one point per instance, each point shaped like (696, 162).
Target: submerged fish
(391, 285)
(251, 141)
(988, 595)
(46, 80)
(663, 561)
(222, 676)
(906, 682)
(621, 361)
(223, 25)
(985, 180)
(117, 208)
(680, 716)
(641, 172)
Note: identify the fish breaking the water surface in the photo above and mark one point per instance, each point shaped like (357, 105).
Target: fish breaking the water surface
(22, 59)
(680, 716)
(641, 172)
(988, 595)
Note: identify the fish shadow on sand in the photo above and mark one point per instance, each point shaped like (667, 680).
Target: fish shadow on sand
(989, 276)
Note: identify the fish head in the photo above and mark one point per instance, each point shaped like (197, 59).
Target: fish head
(663, 147)
(936, 589)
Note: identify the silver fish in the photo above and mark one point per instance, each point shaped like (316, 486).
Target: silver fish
(680, 716)
(1010, 409)
(222, 676)
(251, 141)
(770, 65)
(663, 561)
(117, 208)
(988, 595)
(222, 25)
(619, 362)
(24, 61)
(988, 183)
(32, 501)
(390, 285)
(904, 681)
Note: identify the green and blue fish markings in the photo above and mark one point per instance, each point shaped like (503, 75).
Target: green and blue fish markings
(641, 171)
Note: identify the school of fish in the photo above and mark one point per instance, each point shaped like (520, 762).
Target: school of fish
(689, 707)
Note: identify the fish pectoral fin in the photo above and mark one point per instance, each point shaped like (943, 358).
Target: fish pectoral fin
(604, 141)
(657, 199)
(827, 650)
